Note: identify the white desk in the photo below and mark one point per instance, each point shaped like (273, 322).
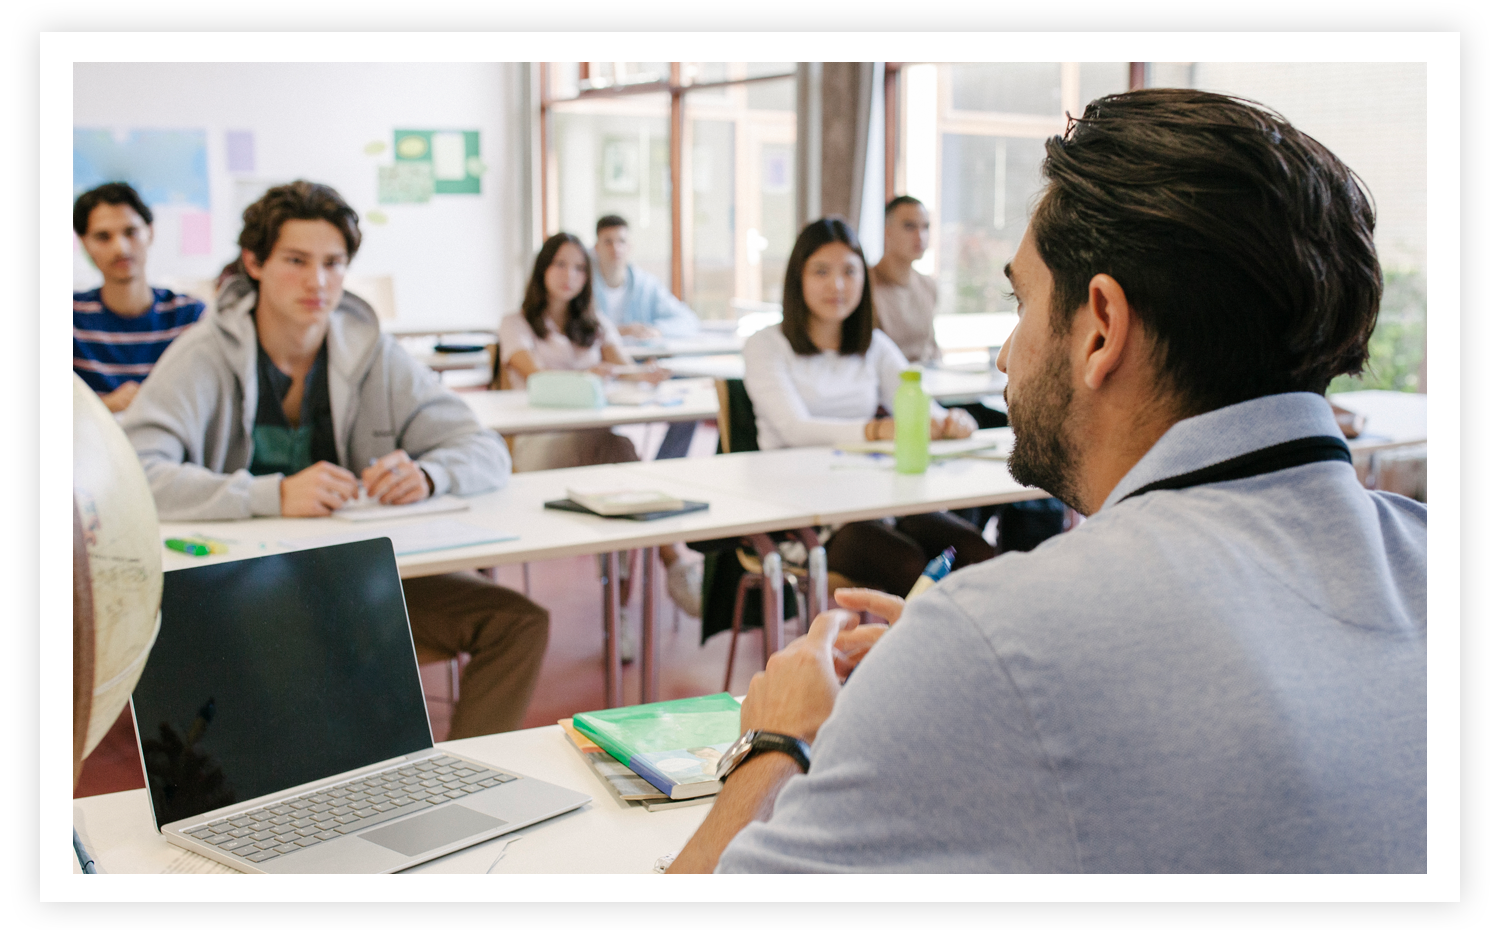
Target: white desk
(604, 836)
(751, 492)
(945, 384)
(454, 361)
(1392, 418)
(957, 386)
(707, 342)
(510, 413)
(824, 486)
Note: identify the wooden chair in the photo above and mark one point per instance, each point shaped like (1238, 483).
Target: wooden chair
(762, 566)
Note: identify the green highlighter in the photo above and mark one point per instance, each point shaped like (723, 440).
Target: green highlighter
(196, 547)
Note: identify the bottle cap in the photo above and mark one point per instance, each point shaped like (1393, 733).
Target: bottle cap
(912, 374)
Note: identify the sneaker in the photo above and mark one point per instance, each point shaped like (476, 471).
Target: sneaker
(627, 645)
(685, 585)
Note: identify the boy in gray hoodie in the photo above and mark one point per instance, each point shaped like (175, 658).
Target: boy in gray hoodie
(287, 397)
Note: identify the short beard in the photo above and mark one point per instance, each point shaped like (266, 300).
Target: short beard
(1043, 456)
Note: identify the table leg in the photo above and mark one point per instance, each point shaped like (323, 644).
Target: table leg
(817, 582)
(649, 673)
(614, 695)
(771, 598)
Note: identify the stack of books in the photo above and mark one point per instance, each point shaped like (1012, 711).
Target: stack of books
(658, 755)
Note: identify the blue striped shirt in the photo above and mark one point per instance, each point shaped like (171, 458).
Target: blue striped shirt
(109, 349)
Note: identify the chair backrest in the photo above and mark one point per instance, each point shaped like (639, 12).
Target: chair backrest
(737, 431)
(497, 373)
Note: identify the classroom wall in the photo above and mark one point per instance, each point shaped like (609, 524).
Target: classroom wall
(457, 261)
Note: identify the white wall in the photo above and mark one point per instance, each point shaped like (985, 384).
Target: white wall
(457, 262)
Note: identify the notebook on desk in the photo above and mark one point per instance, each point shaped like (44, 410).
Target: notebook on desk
(282, 726)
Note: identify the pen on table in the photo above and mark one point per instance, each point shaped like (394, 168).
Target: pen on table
(935, 571)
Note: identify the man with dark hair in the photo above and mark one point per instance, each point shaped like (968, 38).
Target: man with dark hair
(122, 327)
(637, 303)
(289, 400)
(906, 299)
(1224, 668)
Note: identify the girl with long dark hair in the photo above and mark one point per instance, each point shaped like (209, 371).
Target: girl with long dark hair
(826, 375)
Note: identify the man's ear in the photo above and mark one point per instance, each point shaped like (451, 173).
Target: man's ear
(1106, 318)
(252, 265)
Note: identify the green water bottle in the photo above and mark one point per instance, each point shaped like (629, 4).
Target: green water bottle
(913, 421)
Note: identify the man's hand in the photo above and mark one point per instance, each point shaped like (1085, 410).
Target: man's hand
(317, 490)
(395, 479)
(958, 424)
(639, 330)
(120, 398)
(851, 645)
(795, 694)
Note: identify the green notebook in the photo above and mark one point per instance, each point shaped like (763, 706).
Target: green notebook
(674, 745)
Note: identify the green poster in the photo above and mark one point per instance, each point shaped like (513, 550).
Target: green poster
(452, 156)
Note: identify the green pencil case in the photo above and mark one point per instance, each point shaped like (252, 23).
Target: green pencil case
(565, 389)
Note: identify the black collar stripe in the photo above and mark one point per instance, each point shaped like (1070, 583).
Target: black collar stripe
(1281, 456)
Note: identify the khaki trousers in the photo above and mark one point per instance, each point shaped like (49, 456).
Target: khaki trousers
(503, 631)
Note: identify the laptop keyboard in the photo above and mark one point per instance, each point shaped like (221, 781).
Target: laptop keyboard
(307, 820)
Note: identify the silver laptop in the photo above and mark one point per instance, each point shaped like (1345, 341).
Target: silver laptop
(282, 727)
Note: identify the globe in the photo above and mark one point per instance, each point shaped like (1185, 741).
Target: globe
(116, 571)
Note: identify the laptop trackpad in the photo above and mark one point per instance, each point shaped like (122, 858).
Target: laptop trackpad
(429, 831)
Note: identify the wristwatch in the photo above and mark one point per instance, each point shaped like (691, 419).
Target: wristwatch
(754, 741)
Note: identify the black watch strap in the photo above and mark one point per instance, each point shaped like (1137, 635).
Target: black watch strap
(780, 742)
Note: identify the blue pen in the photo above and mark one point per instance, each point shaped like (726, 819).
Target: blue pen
(935, 571)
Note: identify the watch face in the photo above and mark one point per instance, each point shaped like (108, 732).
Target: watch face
(736, 752)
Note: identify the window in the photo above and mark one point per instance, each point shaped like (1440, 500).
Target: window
(969, 144)
(970, 148)
(709, 200)
(1373, 116)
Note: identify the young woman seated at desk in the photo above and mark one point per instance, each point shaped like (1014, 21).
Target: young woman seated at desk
(826, 376)
(557, 328)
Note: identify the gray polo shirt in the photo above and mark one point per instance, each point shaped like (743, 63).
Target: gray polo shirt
(1224, 678)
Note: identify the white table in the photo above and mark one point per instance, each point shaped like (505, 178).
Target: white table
(747, 493)
(604, 836)
(961, 386)
(954, 385)
(510, 413)
(707, 342)
(1392, 418)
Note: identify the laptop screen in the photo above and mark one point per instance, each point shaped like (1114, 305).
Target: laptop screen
(276, 671)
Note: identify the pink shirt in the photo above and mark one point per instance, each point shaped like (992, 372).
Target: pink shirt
(555, 351)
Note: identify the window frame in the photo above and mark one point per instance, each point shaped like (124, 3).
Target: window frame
(677, 85)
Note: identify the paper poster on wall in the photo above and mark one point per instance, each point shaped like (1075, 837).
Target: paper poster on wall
(239, 150)
(452, 158)
(196, 234)
(404, 182)
(165, 166)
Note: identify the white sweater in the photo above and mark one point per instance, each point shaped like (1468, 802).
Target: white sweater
(817, 400)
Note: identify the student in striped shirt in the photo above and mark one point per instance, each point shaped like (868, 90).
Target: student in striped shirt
(121, 328)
